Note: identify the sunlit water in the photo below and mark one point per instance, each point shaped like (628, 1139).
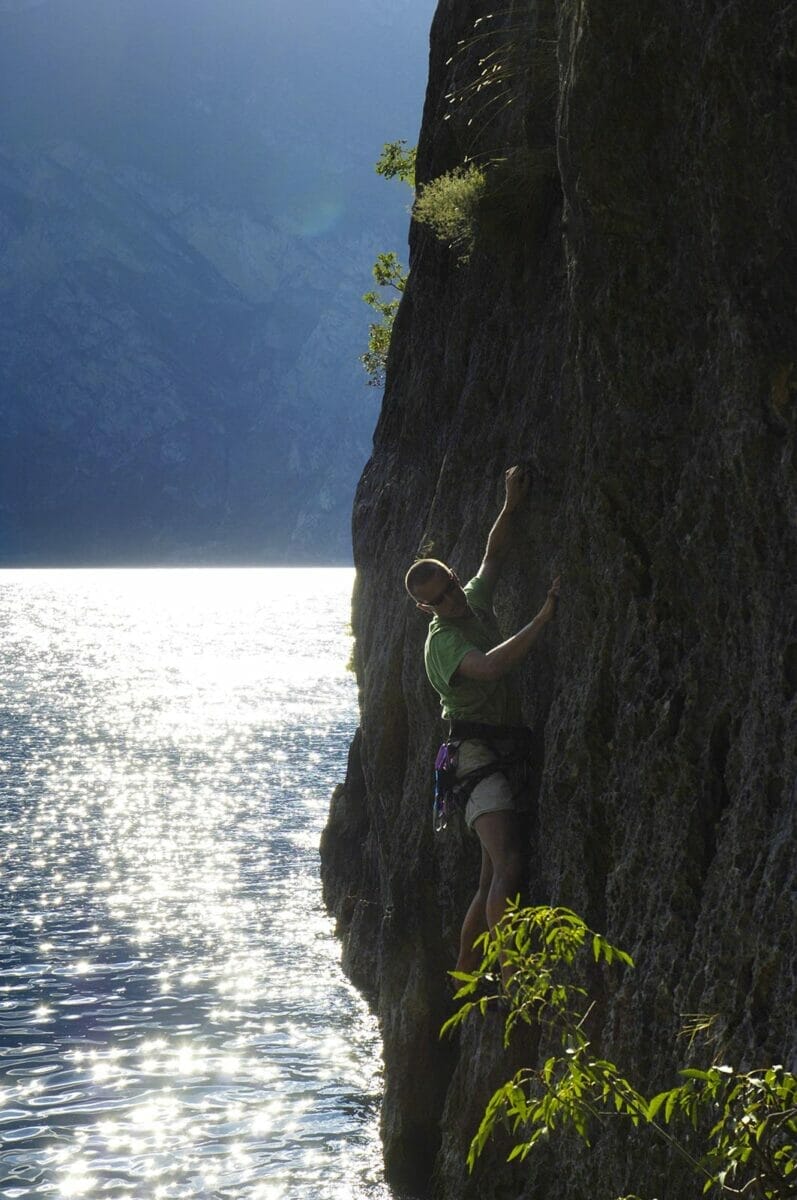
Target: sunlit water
(173, 1019)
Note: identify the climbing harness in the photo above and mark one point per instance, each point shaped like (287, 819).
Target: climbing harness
(452, 792)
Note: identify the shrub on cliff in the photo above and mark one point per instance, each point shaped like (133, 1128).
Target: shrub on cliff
(744, 1124)
(449, 204)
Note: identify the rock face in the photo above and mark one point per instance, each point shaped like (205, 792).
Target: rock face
(625, 323)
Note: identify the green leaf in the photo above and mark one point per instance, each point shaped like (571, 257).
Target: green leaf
(397, 162)
(655, 1104)
(669, 1106)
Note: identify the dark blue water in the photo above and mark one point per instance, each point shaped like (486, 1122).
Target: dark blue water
(173, 1019)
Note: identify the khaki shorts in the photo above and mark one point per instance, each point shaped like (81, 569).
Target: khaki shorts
(493, 794)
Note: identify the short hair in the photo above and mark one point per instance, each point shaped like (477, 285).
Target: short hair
(421, 571)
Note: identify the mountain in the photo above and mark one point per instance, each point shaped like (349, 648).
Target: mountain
(188, 219)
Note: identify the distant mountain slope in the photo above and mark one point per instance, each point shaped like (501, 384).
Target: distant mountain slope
(188, 216)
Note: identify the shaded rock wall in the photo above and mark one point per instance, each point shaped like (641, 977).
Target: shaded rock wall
(626, 325)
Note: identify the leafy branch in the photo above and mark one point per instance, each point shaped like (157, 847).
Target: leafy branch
(747, 1121)
(395, 162)
(388, 273)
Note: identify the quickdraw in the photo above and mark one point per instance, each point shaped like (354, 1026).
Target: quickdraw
(445, 780)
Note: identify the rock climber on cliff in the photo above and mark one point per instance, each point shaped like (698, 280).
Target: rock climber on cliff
(468, 664)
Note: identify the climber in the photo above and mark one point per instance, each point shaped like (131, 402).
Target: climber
(468, 666)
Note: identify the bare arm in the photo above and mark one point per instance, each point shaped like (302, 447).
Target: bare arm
(501, 659)
(516, 481)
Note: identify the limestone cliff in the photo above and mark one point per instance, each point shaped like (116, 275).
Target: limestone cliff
(625, 323)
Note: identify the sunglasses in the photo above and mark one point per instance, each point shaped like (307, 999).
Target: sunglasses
(447, 590)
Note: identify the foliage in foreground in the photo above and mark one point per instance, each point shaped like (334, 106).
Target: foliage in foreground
(744, 1124)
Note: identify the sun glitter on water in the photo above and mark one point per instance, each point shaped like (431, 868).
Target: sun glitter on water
(173, 1019)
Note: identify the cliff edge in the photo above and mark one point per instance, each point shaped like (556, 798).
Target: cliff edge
(625, 324)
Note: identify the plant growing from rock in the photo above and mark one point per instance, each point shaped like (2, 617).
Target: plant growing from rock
(509, 53)
(501, 102)
(741, 1127)
(388, 273)
(395, 162)
(449, 204)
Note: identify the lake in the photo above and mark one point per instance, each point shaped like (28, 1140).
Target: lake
(173, 1018)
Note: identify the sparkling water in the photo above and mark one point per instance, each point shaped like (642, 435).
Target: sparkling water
(173, 1018)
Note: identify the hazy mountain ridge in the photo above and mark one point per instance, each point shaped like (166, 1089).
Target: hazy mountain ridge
(133, 318)
(182, 257)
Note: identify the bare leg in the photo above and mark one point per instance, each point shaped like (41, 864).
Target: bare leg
(475, 918)
(499, 834)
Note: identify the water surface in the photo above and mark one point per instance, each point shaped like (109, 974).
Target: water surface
(173, 1019)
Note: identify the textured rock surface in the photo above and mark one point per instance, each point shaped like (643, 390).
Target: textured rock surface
(625, 324)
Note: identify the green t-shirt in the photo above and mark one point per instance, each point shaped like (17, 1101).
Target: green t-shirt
(447, 643)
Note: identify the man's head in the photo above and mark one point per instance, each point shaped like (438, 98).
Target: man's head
(435, 588)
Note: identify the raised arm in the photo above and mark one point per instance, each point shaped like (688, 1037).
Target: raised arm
(501, 659)
(516, 482)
